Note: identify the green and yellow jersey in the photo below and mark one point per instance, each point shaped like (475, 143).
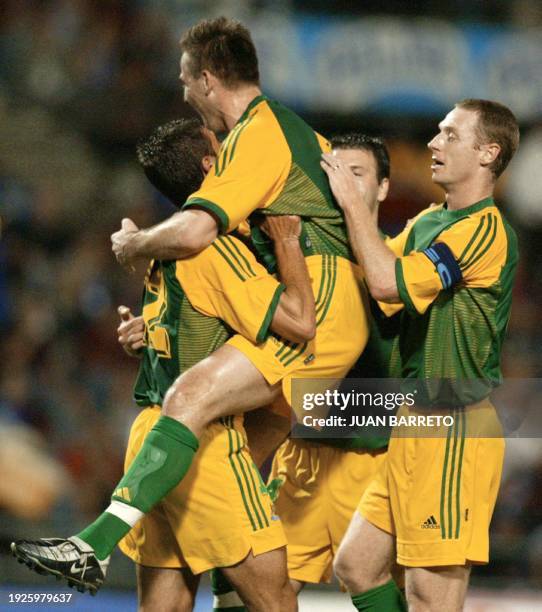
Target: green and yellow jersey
(192, 306)
(270, 164)
(374, 363)
(455, 271)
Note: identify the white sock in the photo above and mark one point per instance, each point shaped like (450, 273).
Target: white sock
(124, 512)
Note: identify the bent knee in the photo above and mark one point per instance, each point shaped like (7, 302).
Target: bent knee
(185, 397)
(358, 577)
(344, 569)
(418, 601)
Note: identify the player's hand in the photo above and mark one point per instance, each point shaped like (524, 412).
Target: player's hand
(347, 190)
(131, 331)
(282, 227)
(120, 244)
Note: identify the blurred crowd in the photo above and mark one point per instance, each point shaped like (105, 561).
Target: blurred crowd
(68, 175)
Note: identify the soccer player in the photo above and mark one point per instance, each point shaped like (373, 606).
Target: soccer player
(451, 274)
(220, 515)
(268, 164)
(320, 483)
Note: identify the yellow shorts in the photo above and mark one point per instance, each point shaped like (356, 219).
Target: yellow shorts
(341, 334)
(319, 488)
(437, 494)
(218, 513)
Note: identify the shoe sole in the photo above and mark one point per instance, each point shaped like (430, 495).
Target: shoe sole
(37, 566)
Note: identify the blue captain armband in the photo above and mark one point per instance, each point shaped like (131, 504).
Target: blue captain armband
(445, 263)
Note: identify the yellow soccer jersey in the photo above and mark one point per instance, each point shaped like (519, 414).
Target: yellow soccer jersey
(478, 243)
(270, 162)
(225, 281)
(454, 271)
(191, 306)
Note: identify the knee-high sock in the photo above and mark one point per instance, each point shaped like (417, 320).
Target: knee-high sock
(160, 465)
(385, 598)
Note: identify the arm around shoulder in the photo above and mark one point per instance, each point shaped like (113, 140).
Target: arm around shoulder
(183, 234)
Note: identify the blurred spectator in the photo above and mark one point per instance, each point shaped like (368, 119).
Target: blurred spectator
(32, 480)
(525, 180)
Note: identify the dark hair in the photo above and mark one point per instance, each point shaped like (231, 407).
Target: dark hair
(171, 158)
(376, 146)
(224, 47)
(496, 123)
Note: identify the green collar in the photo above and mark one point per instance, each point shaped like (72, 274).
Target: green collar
(468, 210)
(254, 103)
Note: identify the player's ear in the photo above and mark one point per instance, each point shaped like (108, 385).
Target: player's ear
(489, 153)
(208, 80)
(383, 189)
(207, 162)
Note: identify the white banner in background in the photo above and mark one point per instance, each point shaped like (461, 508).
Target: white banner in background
(401, 66)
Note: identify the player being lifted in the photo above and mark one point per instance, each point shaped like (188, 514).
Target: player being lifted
(451, 272)
(194, 527)
(268, 164)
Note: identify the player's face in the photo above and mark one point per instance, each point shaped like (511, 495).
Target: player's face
(455, 149)
(196, 93)
(363, 166)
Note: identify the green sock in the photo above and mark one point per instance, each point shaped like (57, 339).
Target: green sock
(160, 465)
(101, 534)
(385, 598)
(225, 597)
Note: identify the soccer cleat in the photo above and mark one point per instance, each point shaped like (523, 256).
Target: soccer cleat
(69, 558)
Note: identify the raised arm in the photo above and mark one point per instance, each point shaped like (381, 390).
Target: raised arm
(183, 234)
(295, 316)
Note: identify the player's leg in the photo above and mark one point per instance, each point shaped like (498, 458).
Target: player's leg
(366, 555)
(225, 598)
(227, 518)
(224, 383)
(364, 562)
(433, 589)
(262, 582)
(266, 429)
(297, 585)
(452, 479)
(298, 483)
(167, 590)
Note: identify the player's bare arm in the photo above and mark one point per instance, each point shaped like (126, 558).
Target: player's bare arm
(295, 317)
(370, 250)
(183, 234)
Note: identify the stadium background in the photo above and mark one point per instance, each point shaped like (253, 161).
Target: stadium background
(80, 82)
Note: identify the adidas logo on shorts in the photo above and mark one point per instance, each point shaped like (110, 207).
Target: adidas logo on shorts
(430, 523)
